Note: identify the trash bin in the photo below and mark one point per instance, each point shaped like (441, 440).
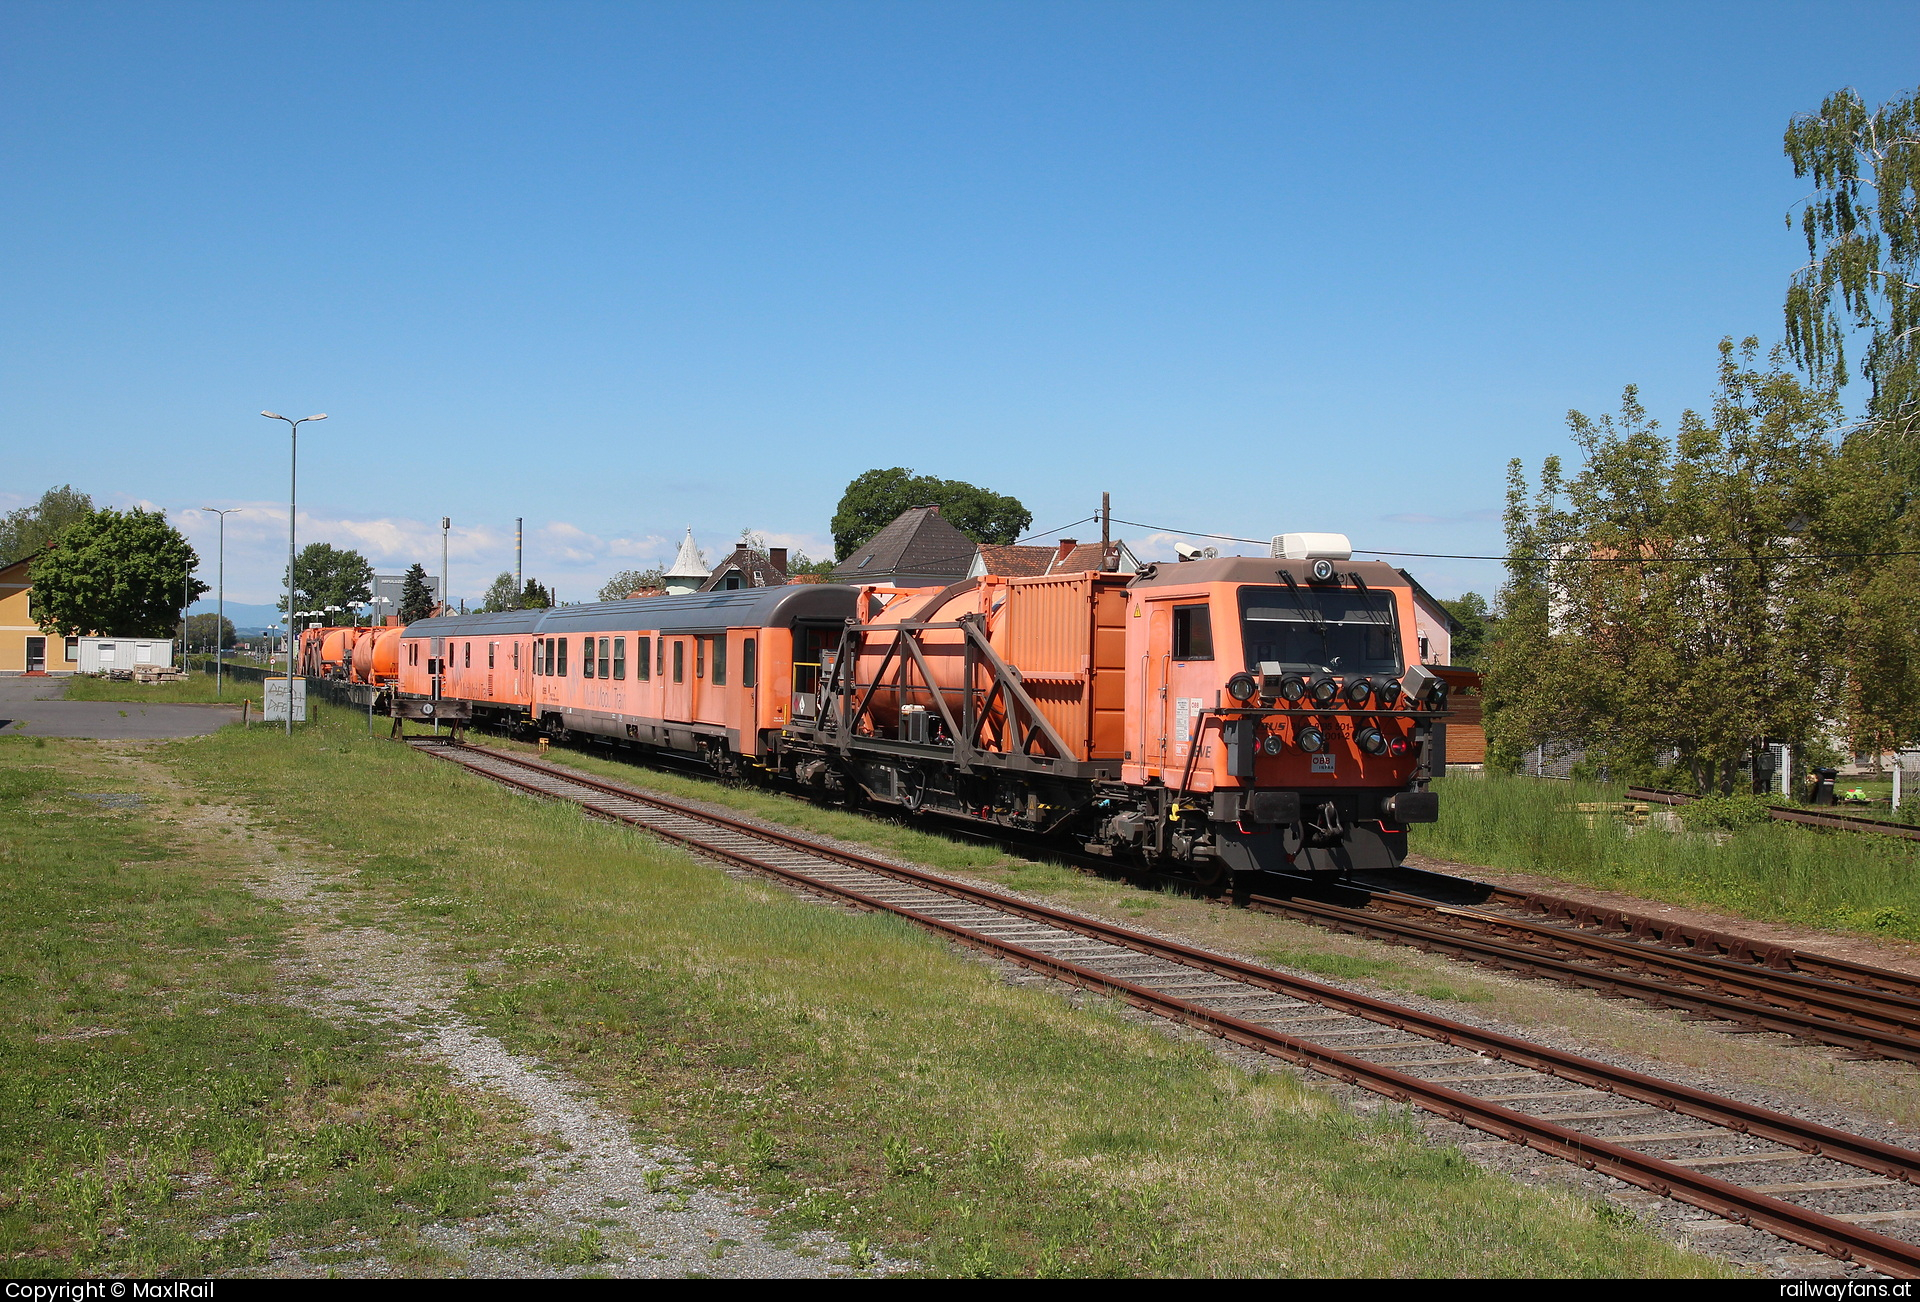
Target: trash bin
(1823, 786)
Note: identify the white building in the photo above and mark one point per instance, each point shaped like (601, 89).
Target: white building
(100, 654)
(687, 573)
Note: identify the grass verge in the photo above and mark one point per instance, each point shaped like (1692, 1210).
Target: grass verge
(855, 1075)
(195, 689)
(163, 1109)
(1849, 881)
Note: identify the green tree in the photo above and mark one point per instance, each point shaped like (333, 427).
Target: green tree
(627, 582)
(1678, 595)
(116, 573)
(27, 530)
(416, 598)
(1470, 614)
(535, 597)
(324, 575)
(873, 500)
(501, 594)
(200, 632)
(1862, 227)
(801, 563)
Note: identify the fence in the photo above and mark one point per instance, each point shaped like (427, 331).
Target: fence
(331, 690)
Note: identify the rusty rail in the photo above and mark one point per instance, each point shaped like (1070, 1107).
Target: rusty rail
(1839, 822)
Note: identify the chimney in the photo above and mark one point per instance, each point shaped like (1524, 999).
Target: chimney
(777, 557)
(1066, 549)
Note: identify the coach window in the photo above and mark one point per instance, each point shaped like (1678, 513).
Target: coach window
(586, 657)
(1192, 633)
(561, 644)
(490, 647)
(643, 658)
(699, 657)
(466, 655)
(606, 663)
(679, 660)
(539, 657)
(619, 659)
(749, 663)
(720, 661)
(661, 664)
(516, 655)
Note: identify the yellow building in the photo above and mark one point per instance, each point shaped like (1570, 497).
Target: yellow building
(24, 645)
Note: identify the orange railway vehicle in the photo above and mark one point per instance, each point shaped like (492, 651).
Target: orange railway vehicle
(1208, 717)
(707, 674)
(1237, 715)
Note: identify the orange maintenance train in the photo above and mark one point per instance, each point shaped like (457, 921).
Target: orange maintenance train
(1213, 717)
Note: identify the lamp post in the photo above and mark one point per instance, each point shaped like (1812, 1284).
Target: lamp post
(220, 619)
(293, 483)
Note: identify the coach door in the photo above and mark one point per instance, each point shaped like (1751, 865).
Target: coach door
(676, 692)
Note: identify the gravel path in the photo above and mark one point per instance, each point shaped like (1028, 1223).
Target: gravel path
(588, 1177)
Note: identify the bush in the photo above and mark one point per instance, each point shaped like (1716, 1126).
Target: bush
(1724, 811)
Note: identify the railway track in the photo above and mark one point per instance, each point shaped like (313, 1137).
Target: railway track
(1807, 1183)
(1871, 1012)
(1807, 817)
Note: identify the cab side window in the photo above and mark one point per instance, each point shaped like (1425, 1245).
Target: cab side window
(1192, 633)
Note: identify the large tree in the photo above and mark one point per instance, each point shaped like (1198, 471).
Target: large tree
(200, 631)
(1862, 228)
(324, 575)
(1681, 595)
(114, 573)
(1470, 616)
(502, 595)
(27, 530)
(416, 598)
(874, 499)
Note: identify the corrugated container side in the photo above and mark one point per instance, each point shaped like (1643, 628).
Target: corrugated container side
(1066, 635)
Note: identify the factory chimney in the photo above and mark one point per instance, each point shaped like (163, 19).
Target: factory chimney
(519, 581)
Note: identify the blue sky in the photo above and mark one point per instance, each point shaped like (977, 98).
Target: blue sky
(621, 269)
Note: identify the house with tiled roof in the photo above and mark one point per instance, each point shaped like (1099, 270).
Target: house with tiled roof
(918, 550)
(747, 568)
(1070, 556)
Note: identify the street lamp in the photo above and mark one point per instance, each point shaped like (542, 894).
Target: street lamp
(220, 620)
(293, 483)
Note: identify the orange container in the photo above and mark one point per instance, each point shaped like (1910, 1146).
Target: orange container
(376, 659)
(1064, 633)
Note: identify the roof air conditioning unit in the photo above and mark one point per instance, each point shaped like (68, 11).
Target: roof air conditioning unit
(1312, 547)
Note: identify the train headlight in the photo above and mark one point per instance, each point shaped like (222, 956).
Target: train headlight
(1292, 687)
(1388, 692)
(1310, 739)
(1358, 690)
(1273, 743)
(1322, 571)
(1241, 687)
(1324, 691)
(1371, 741)
(1437, 694)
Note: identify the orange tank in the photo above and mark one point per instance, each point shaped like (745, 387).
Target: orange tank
(1064, 634)
(376, 659)
(336, 649)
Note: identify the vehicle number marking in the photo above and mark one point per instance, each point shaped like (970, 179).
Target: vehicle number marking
(1323, 763)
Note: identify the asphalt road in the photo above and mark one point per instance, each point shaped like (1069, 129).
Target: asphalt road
(36, 707)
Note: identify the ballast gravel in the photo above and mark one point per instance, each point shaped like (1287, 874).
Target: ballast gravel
(586, 1184)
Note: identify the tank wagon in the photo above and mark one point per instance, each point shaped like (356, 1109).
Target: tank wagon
(1213, 717)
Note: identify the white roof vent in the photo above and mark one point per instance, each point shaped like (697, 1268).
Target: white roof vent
(1312, 547)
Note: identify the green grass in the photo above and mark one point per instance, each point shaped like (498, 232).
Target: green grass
(1776, 871)
(197, 688)
(857, 1076)
(163, 1109)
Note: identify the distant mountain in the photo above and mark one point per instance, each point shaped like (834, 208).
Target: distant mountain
(247, 620)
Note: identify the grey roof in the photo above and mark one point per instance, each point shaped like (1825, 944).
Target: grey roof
(919, 541)
(741, 608)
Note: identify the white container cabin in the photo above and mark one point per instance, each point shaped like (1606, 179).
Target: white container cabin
(99, 655)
